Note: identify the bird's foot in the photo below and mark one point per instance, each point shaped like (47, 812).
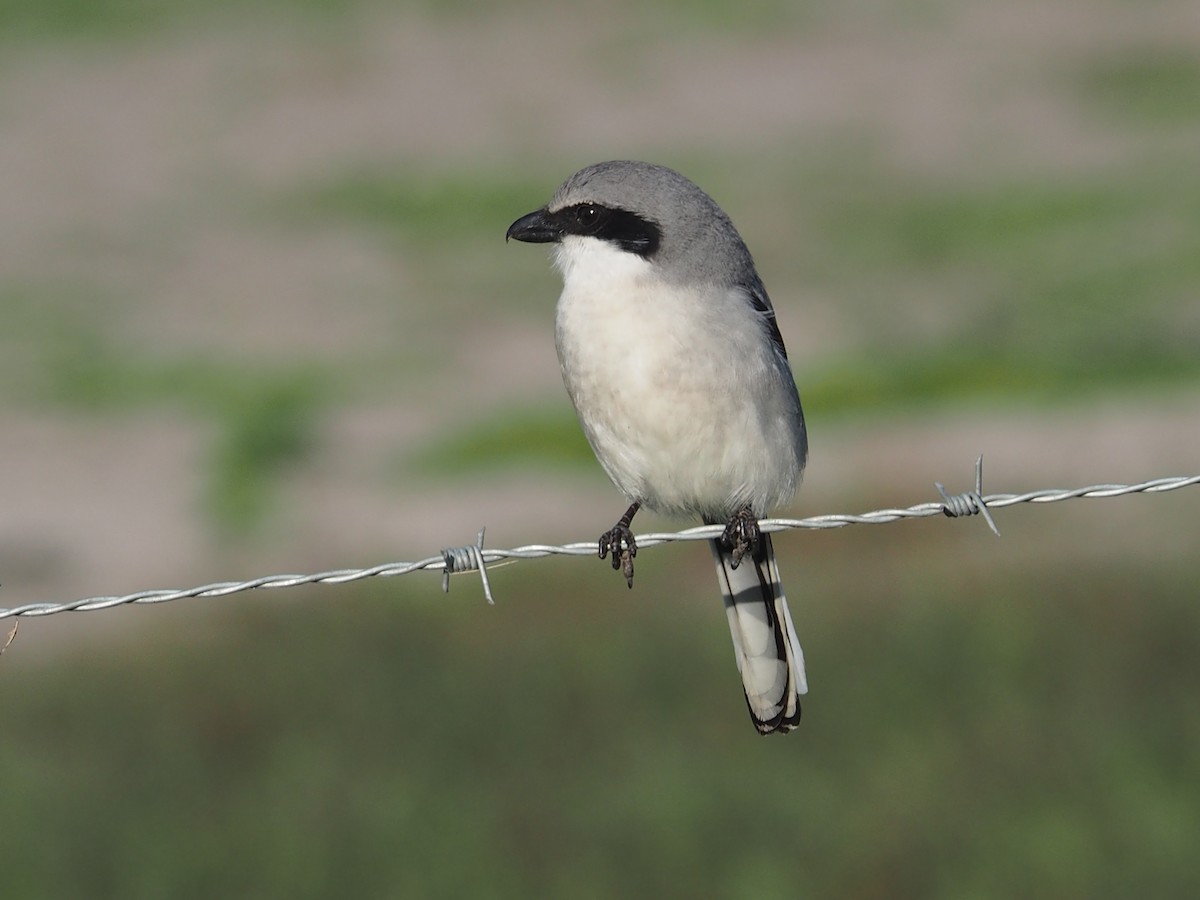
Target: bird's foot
(741, 534)
(619, 539)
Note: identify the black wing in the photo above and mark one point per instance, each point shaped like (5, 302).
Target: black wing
(762, 305)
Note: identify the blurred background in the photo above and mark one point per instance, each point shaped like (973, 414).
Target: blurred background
(259, 317)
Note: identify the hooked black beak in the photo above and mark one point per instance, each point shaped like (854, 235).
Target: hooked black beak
(539, 227)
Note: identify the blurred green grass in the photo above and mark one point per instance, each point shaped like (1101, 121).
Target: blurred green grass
(1046, 287)
(433, 209)
(40, 20)
(1026, 735)
(1143, 86)
(447, 226)
(539, 437)
(265, 419)
(108, 20)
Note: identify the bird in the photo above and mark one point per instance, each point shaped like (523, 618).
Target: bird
(671, 354)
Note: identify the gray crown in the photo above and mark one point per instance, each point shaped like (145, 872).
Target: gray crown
(699, 242)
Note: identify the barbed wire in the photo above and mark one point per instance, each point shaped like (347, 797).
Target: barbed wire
(476, 558)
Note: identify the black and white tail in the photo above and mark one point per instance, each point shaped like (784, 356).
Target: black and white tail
(764, 639)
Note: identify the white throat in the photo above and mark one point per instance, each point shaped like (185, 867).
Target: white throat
(598, 264)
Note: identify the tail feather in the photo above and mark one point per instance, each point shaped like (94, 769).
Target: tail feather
(765, 645)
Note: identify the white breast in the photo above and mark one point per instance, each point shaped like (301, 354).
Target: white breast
(684, 400)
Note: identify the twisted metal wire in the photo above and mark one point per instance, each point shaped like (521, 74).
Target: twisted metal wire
(467, 559)
(476, 557)
(968, 503)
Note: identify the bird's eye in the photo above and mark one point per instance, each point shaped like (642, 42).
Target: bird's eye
(588, 215)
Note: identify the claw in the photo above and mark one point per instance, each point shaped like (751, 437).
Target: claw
(741, 534)
(619, 539)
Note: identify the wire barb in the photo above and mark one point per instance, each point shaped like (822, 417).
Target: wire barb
(11, 635)
(467, 559)
(476, 556)
(968, 503)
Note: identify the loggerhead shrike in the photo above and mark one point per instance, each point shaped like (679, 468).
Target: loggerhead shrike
(671, 354)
